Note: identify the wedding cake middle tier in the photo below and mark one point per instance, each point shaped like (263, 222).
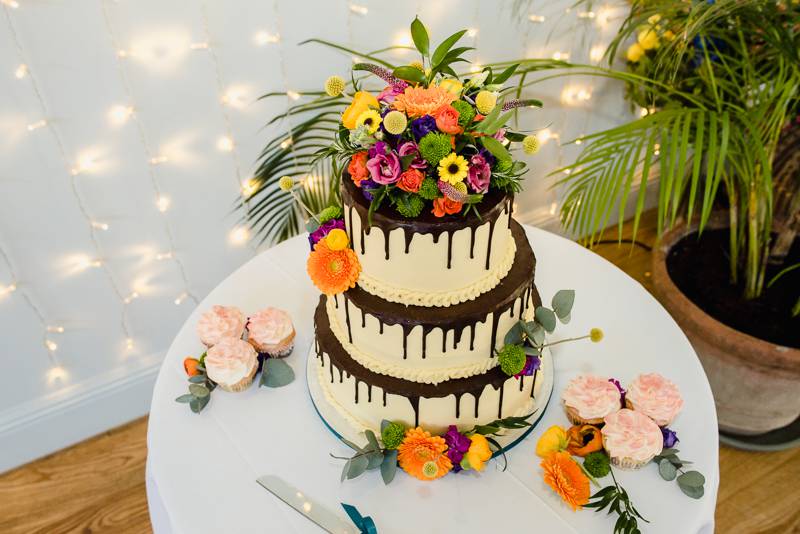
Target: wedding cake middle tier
(434, 344)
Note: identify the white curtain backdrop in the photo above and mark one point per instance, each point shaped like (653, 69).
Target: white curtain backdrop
(127, 129)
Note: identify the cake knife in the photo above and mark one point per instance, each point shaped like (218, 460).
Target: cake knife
(311, 509)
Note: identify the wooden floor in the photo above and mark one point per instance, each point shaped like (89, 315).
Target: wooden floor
(98, 485)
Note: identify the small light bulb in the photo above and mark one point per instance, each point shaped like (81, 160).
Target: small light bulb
(118, 115)
(225, 143)
(249, 187)
(596, 53)
(100, 225)
(239, 235)
(122, 53)
(36, 125)
(263, 38)
(164, 255)
(85, 163)
(553, 208)
(157, 160)
(586, 14)
(130, 298)
(129, 343)
(179, 300)
(56, 374)
(85, 262)
(56, 329)
(359, 9)
(51, 345)
(286, 143)
(476, 68)
(603, 17)
(21, 71)
(5, 290)
(561, 56)
(536, 18)
(162, 203)
(472, 32)
(13, 4)
(198, 46)
(294, 95)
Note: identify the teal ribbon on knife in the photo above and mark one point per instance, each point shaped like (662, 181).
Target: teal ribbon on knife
(365, 525)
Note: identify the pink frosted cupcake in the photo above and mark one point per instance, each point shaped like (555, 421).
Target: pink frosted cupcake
(232, 364)
(220, 322)
(631, 439)
(654, 396)
(588, 399)
(271, 331)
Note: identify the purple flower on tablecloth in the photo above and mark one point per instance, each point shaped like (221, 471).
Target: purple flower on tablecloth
(408, 148)
(479, 174)
(532, 363)
(621, 390)
(670, 437)
(315, 236)
(422, 126)
(368, 185)
(457, 446)
(384, 169)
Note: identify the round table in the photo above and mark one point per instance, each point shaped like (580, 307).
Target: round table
(202, 468)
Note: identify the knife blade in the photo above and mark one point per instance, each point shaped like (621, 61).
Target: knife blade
(311, 509)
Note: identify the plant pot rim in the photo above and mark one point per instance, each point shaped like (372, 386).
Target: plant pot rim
(733, 342)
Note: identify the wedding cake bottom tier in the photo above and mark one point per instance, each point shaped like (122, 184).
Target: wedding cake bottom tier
(363, 398)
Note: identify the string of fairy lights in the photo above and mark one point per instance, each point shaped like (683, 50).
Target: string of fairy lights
(232, 98)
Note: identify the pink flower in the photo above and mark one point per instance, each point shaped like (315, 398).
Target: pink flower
(479, 174)
(390, 92)
(410, 147)
(500, 134)
(384, 169)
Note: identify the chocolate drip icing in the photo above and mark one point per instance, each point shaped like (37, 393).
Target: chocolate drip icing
(489, 244)
(533, 385)
(522, 382)
(449, 249)
(384, 398)
(472, 231)
(347, 319)
(414, 400)
(363, 319)
(472, 336)
(369, 392)
(500, 404)
(458, 406)
(336, 300)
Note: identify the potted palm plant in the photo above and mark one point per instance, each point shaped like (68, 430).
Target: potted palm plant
(717, 85)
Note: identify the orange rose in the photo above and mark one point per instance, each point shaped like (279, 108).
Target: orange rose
(447, 120)
(410, 180)
(190, 366)
(445, 206)
(584, 439)
(358, 167)
(362, 101)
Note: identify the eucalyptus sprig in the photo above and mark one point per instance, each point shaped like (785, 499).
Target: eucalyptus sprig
(616, 499)
(690, 482)
(200, 388)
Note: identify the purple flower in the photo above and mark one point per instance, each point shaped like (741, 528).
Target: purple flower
(390, 92)
(490, 159)
(367, 187)
(315, 236)
(457, 446)
(422, 126)
(479, 174)
(670, 437)
(378, 149)
(410, 147)
(384, 169)
(621, 391)
(532, 363)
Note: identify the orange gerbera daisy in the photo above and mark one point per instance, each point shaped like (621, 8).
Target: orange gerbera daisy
(564, 475)
(419, 101)
(422, 455)
(333, 271)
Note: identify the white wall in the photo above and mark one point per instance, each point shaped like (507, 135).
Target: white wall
(64, 165)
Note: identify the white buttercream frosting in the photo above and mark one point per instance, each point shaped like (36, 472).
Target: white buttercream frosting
(220, 322)
(593, 397)
(631, 434)
(230, 360)
(656, 397)
(270, 329)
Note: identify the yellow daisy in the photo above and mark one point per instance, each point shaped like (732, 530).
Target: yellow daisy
(453, 168)
(369, 118)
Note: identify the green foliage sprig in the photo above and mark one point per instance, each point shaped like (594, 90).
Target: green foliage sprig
(690, 482)
(616, 499)
(200, 388)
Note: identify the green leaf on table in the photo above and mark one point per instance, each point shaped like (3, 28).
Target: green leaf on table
(374, 459)
(198, 390)
(276, 373)
(356, 466)
(185, 398)
(667, 470)
(389, 466)
(198, 403)
(692, 491)
(537, 332)
(546, 318)
(420, 36)
(197, 379)
(693, 479)
(372, 441)
(562, 302)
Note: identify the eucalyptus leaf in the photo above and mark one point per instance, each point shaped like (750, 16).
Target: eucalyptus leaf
(692, 491)
(514, 334)
(562, 302)
(372, 441)
(198, 390)
(420, 36)
(203, 401)
(185, 398)
(374, 459)
(667, 470)
(276, 373)
(194, 404)
(692, 479)
(197, 379)
(358, 464)
(546, 318)
(537, 331)
(389, 466)
(384, 424)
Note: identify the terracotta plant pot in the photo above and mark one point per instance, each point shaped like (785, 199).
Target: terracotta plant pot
(756, 384)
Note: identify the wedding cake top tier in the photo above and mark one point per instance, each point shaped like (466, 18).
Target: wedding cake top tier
(430, 261)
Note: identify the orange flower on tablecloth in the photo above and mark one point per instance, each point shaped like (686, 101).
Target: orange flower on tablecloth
(190, 366)
(564, 475)
(584, 439)
(447, 120)
(422, 455)
(444, 206)
(419, 101)
(357, 168)
(333, 271)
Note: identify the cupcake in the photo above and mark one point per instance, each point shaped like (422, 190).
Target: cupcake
(220, 322)
(232, 364)
(271, 331)
(588, 399)
(631, 439)
(654, 396)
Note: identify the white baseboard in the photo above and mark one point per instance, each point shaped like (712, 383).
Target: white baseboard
(39, 427)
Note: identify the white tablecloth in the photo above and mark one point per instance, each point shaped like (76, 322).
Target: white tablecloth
(202, 469)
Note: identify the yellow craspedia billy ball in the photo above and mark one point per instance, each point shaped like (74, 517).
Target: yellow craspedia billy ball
(634, 53)
(485, 102)
(337, 239)
(395, 122)
(286, 183)
(530, 145)
(596, 335)
(334, 85)
(647, 39)
(417, 65)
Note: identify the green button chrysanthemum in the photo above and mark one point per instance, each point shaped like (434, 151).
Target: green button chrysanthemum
(512, 359)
